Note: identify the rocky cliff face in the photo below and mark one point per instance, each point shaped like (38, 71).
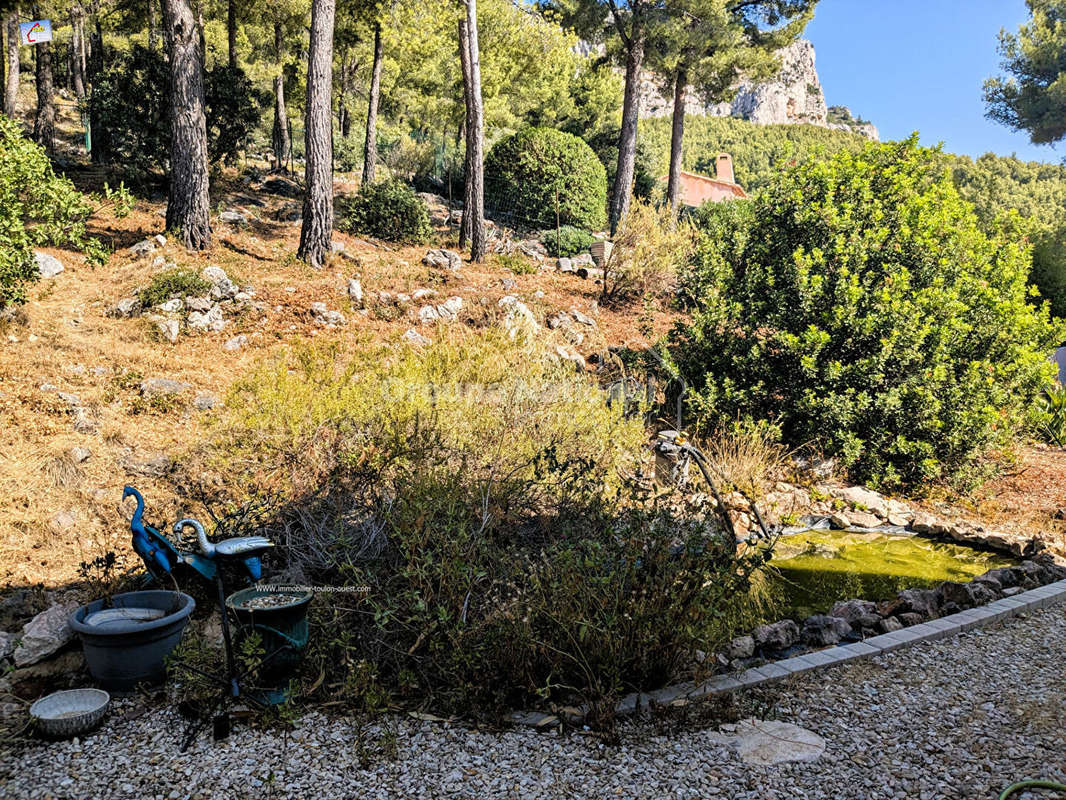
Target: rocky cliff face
(794, 96)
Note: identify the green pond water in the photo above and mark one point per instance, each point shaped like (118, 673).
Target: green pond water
(814, 569)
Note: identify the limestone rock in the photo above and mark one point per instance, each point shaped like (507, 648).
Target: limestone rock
(777, 636)
(233, 217)
(413, 337)
(443, 259)
(125, 308)
(162, 387)
(172, 306)
(767, 742)
(583, 319)
(7, 644)
(47, 266)
(45, 635)
(741, 647)
(203, 321)
(822, 630)
(324, 316)
(355, 291)
(864, 499)
(857, 613)
(517, 319)
(575, 358)
(793, 96)
(168, 328)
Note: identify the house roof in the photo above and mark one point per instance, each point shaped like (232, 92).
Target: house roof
(698, 189)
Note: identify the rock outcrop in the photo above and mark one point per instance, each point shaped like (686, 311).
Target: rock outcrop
(793, 97)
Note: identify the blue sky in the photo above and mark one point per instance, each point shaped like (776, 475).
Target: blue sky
(909, 65)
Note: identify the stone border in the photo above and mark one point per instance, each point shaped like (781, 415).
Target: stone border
(1041, 597)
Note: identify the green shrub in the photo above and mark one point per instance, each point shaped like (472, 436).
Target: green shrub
(724, 229)
(39, 207)
(867, 311)
(516, 263)
(1049, 416)
(171, 283)
(1049, 269)
(388, 210)
(347, 154)
(479, 488)
(566, 242)
(232, 109)
(130, 111)
(542, 176)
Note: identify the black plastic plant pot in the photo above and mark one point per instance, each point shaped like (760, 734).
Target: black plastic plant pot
(126, 642)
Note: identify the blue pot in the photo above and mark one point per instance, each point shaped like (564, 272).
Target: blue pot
(126, 643)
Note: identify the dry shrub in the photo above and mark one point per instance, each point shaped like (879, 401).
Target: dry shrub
(480, 489)
(649, 247)
(748, 458)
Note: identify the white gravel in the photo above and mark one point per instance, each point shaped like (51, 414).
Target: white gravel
(958, 718)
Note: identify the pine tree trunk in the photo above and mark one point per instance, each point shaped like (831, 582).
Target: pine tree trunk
(188, 207)
(627, 140)
(11, 89)
(280, 135)
(475, 141)
(153, 26)
(44, 121)
(76, 68)
(231, 32)
(344, 114)
(317, 229)
(462, 135)
(370, 149)
(677, 135)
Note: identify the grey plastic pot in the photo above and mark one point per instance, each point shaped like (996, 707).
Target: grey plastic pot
(122, 653)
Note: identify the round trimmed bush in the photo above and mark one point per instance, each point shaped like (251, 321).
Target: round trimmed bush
(527, 173)
(388, 210)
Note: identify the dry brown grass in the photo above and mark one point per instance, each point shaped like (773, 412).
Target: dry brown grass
(749, 460)
(68, 340)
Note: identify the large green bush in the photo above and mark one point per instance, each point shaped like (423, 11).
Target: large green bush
(388, 210)
(479, 488)
(37, 207)
(130, 111)
(542, 176)
(867, 311)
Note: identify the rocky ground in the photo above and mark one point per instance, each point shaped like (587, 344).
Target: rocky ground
(958, 718)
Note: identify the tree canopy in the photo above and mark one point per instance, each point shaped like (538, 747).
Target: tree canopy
(1032, 96)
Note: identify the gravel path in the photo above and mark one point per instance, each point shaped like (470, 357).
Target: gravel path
(958, 718)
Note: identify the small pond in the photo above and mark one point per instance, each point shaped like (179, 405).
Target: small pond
(816, 568)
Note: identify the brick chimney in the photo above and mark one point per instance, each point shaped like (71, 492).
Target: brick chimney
(724, 168)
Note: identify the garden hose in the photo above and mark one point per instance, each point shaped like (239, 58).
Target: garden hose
(1017, 787)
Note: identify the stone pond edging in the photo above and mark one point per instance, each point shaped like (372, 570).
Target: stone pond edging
(940, 628)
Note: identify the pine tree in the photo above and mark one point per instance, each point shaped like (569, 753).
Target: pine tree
(188, 205)
(1033, 97)
(317, 230)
